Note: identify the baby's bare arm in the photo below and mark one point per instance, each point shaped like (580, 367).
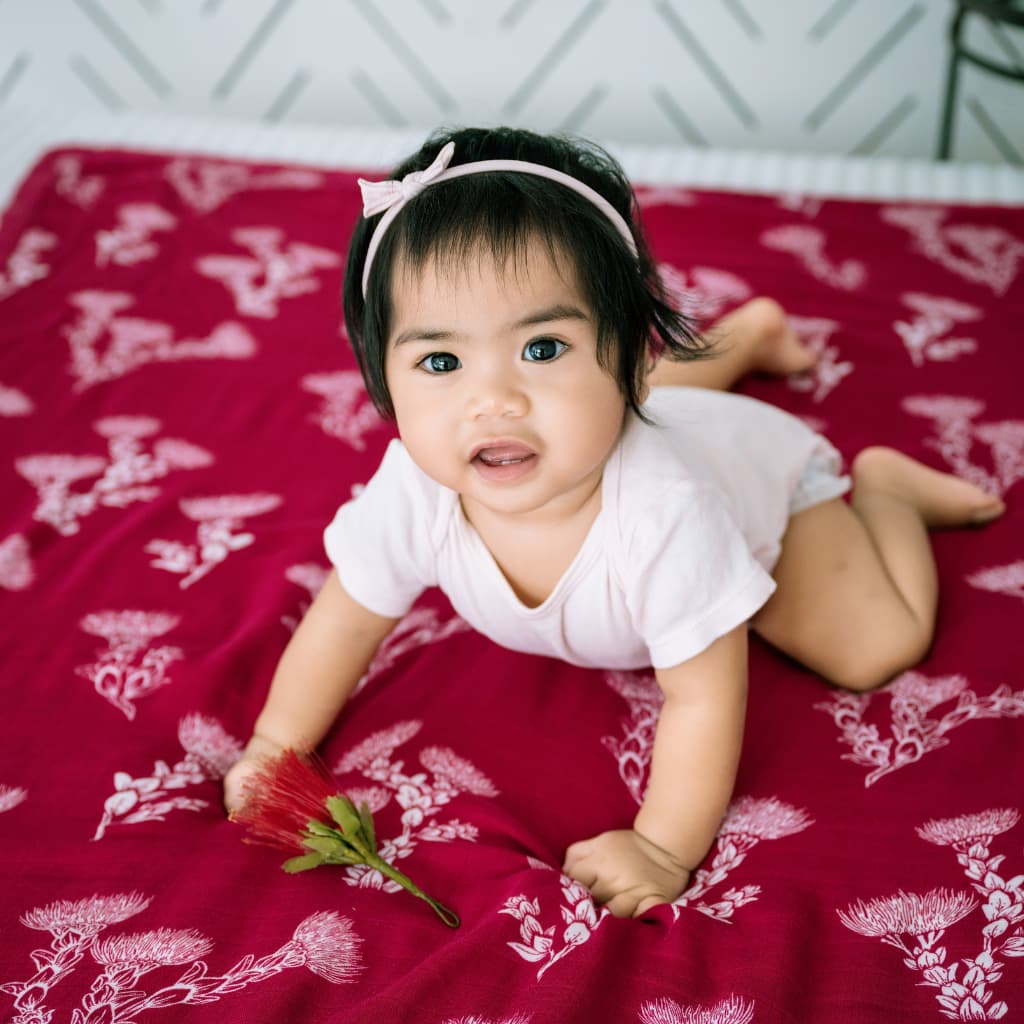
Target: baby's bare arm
(317, 673)
(693, 769)
(696, 749)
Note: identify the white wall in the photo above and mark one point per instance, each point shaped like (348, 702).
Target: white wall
(844, 76)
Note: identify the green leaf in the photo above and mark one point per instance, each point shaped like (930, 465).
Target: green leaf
(344, 813)
(366, 819)
(304, 863)
(322, 845)
(318, 828)
(334, 849)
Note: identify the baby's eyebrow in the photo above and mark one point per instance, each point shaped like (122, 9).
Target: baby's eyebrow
(550, 313)
(423, 334)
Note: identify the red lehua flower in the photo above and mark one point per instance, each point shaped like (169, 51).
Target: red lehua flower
(282, 797)
(292, 803)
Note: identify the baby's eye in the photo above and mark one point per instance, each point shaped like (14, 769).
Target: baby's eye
(543, 350)
(439, 362)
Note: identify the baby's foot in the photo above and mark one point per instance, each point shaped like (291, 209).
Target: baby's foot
(942, 499)
(776, 348)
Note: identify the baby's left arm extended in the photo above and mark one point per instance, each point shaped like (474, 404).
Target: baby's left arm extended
(693, 769)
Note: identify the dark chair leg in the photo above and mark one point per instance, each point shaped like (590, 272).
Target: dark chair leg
(952, 76)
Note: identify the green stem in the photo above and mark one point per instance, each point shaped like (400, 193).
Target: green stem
(378, 863)
(367, 855)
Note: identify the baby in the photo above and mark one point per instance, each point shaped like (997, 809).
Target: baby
(571, 478)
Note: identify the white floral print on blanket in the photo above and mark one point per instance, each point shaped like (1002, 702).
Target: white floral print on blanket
(74, 185)
(748, 821)
(421, 795)
(16, 571)
(829, 370)
(704, 292)
(207, 185)
(731, 1010)
(106, 345)
(15, 403)
(209, 752)
(982, 254)
(123, 476)
(274, 271)
(663, 195)
(538, 944)
(914, 730)
(219, 522)
(133, 239)
(130, 667)
(25, 265)
(517, 1019)
(346, 411)
(1001, 579)
(915, 923)
(926, 336)
(808, 244)
(325, 943)
(957, 435)
(11, 797)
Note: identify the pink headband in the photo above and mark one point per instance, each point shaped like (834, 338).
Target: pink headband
(391, 196)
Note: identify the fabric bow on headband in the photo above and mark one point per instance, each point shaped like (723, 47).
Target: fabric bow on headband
(388, 197)
(379, 196)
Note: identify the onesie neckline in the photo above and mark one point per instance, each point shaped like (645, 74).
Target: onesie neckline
(587, 552)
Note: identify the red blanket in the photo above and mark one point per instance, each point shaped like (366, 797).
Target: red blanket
(179, 417)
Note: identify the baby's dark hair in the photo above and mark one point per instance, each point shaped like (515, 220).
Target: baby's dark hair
(504, 212)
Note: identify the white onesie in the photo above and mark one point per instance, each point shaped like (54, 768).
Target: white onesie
(692, 514)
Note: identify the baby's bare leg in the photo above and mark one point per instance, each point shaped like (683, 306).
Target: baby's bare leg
(857, 586)
(755, 338)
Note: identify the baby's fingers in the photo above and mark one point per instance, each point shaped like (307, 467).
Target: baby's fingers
(578, 851)
(576, 855)
(579, 866)
(648, 902)
(635, 901)
(233, 783)
(238, 774)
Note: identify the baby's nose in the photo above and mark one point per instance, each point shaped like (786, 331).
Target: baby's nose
(498, 394)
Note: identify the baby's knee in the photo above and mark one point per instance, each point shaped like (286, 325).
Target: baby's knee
(877, 662)
(860, 677)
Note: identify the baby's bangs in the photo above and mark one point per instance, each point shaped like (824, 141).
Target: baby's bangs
(468, 222)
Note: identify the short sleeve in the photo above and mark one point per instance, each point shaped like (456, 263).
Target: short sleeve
(688, 573)
(379, 542)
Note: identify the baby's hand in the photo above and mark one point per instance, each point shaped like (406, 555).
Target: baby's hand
(626, 872)
(255, 750)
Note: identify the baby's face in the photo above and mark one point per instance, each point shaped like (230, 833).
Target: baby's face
(496, 386)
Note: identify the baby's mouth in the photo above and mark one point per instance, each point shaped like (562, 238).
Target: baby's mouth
(504, 454)
(505, 461)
